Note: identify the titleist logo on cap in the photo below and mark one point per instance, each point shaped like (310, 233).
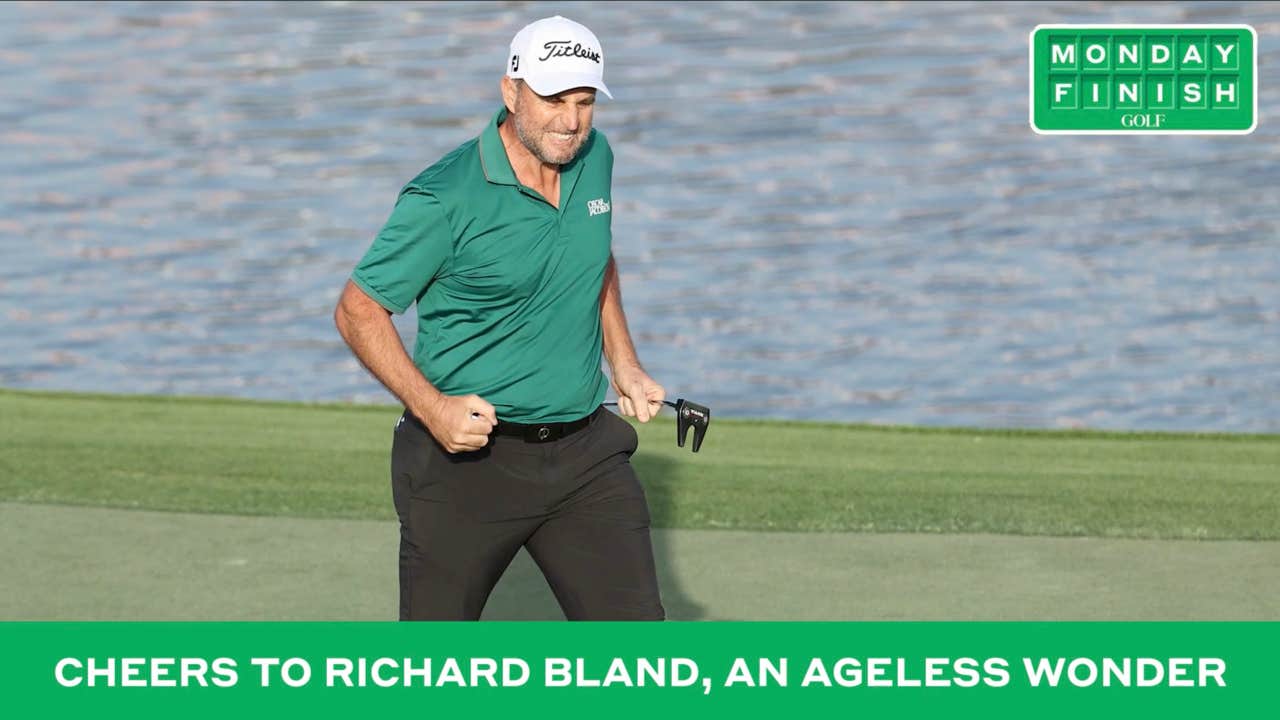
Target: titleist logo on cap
(562, 48)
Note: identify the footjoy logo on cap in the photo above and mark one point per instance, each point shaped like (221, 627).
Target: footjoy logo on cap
(556, 54)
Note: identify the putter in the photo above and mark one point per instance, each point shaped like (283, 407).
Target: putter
(688, 415)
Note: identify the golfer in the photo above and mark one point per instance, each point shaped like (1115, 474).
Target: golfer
(504, 244)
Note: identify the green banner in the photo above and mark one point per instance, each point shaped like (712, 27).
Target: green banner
(1124, 79)
(1124, 670)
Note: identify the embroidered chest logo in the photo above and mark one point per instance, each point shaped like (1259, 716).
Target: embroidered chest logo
(599, 206)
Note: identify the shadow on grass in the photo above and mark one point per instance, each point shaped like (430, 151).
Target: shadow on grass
(523, 594)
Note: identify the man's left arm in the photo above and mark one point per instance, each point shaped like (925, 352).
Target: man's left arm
(638, 395)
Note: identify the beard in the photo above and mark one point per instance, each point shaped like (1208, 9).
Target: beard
(538, 142)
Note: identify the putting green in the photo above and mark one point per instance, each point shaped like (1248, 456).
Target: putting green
(283, 511)
(75, 563)
(254, 458)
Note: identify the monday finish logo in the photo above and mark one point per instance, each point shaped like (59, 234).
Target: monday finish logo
(1144, 79)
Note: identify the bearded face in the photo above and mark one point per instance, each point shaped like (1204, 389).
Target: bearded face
(553, 127)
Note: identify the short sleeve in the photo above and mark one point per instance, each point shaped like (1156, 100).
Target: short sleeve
(411, 249)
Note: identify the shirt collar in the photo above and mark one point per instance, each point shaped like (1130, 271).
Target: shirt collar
(493, 156)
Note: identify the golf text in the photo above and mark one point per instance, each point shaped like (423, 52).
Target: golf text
(674, 672)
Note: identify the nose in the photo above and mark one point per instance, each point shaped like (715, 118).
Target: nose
(571, 119)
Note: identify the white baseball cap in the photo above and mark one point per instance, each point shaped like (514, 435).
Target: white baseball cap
(556, 54)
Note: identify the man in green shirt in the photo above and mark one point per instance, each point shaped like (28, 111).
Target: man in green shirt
(504, 246)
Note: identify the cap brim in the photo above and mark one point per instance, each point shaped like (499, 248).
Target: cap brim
(558, 83)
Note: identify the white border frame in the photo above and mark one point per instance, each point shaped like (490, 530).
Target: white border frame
(1031, 77)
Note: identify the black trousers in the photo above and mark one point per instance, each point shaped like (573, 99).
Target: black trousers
(575, 503)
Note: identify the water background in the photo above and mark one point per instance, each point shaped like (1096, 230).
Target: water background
(832, 212)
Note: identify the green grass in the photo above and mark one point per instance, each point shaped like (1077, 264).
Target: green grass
(256, 458)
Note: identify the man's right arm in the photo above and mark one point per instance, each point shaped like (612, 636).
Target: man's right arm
(458, 423)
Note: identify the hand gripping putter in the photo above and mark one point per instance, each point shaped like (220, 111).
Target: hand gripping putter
(688, 415)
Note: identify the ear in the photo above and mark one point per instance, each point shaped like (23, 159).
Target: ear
(509, 93)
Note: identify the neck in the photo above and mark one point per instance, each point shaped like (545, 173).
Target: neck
(528, 168)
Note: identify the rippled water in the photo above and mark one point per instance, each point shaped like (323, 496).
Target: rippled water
(821, 211)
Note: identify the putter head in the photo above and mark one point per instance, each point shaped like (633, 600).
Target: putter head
(691, 415)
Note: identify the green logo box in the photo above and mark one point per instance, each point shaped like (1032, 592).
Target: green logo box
(1144, 79)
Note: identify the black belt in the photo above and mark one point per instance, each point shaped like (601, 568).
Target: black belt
(535, 433)
(541, 432)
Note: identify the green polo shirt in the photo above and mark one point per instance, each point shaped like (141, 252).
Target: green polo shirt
(507, 285)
